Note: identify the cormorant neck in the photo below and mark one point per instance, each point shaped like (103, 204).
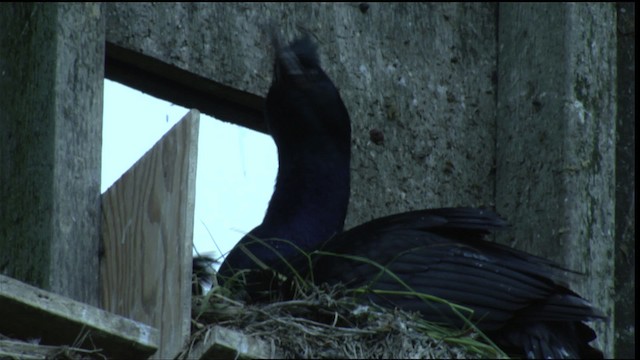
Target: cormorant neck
(308, 206)
(311, 196)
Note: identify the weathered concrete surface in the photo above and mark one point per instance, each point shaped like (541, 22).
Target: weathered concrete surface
(423, 75)
(625, 257)
(555, 156)
(474, 109)
(51, 77)
(419, 73)
(426, 77)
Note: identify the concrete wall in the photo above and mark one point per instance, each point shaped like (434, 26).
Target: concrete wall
(625, 247)
(421, 74)
(555, 155)
(509, 105)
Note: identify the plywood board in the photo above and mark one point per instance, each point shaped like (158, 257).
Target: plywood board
(147, 229)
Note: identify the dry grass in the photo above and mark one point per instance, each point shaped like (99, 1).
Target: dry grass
(329, 322)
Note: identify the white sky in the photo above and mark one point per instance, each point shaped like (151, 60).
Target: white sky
(236, 166)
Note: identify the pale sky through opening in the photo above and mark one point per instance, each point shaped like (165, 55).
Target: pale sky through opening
(236, 166)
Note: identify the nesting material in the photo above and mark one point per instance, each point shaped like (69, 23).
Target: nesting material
(327, 322)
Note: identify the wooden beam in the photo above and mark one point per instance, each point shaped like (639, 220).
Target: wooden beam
(30, 313)
(147, 229)
(182, 87)
(223, 343)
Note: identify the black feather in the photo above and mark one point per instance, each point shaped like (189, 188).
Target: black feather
(311, 128)
(518, 299)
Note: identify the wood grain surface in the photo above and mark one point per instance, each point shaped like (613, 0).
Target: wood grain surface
(147, 224)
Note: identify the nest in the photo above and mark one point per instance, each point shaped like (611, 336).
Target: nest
(330, 322)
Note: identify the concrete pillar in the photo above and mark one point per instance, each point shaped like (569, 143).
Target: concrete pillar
(555, 158)
(51, 80)
(625, 255)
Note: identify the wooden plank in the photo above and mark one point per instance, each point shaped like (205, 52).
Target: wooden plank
(28, 312)
(21, 350)
(223, 343)
(24, 350)
(147, 229)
